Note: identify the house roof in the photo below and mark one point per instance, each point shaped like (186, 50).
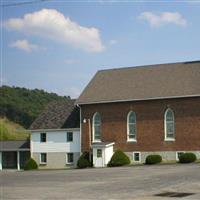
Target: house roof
(57, 115)
(143, 83)
(14, 145)
(102, 144)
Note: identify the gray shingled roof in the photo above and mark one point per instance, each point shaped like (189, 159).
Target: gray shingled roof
(145, 82)
(14, 145)
(57, 115)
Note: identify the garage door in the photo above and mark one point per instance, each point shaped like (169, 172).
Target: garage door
(9, 160)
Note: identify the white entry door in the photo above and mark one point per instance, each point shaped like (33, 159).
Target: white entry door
(99, 162)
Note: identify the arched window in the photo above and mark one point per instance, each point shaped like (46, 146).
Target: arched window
(169, 125)
(96, 127)
(131, 126)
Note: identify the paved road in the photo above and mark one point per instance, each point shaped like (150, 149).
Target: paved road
(138, 183)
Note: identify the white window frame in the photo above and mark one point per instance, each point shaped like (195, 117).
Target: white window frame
(67, 158)
(43, 163)
(128, 138)
(139, 156)
(177, 159)
(41, 137)
(72, 136)
(93, 129)
(165, 125)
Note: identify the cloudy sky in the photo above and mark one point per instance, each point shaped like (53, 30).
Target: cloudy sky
(59, 45)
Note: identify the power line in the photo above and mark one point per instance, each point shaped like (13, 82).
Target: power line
(23, 3)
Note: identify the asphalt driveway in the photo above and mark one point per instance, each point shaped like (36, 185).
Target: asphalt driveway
(139, 182)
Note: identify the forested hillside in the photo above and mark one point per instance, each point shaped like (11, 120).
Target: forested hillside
(23, 105)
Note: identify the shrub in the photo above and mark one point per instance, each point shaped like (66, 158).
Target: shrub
(30, 164)
(153, 159)
(83, 163)
(119, 158)
(187, 158)
(84, 160)
(86, 155)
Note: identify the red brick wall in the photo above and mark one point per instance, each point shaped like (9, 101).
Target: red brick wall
(150, 124)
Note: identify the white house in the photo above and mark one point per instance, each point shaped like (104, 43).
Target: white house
(55, 136)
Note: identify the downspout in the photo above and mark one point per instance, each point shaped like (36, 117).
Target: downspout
(89, 133)
(80, 129)
(90, 139)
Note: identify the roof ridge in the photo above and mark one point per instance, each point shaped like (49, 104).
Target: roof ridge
(151, 65)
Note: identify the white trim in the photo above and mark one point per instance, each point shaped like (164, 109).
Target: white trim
(93, 133)
(69, 163)
(31, 146)
(96, 140)
(100, 145)
(167, 139)
(139, 156)
(49, 130)
(135, 124)
(177, 159)
(18, 160)
(67, 136)
(41, 137)
(170, 139)
(80, 130)
(144, 99)
(0, 160)
(43, 163)
(131, 140)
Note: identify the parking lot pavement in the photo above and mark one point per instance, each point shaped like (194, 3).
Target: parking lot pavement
(138, 183)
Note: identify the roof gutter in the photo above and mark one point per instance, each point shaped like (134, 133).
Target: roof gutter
(145, 99)
(51, 130)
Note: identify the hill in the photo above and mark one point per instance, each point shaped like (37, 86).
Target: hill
(12, 131)
(22, 105)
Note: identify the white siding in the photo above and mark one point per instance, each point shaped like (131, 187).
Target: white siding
(56, 142)
(108, 154)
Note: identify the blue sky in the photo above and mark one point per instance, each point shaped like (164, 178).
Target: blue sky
(60, 45)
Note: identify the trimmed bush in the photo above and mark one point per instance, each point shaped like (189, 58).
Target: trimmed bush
(84, 160)
(83, 163)
(86, 155)
(153, 159)
(30, 164)
(187, 158)
(119, 158)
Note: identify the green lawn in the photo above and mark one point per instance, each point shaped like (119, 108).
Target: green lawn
(12, 131)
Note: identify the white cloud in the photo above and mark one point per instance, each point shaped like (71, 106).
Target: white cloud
(163, 18)
(49, 23)
(112, 42)
(24, 45)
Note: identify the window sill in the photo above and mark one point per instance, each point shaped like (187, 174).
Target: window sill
(134, 141)
(42, 164)
(96, 141)
(137, 162)
(70, 163)
(170, 140)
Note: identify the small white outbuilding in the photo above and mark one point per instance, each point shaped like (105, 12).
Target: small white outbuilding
(102, 153)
